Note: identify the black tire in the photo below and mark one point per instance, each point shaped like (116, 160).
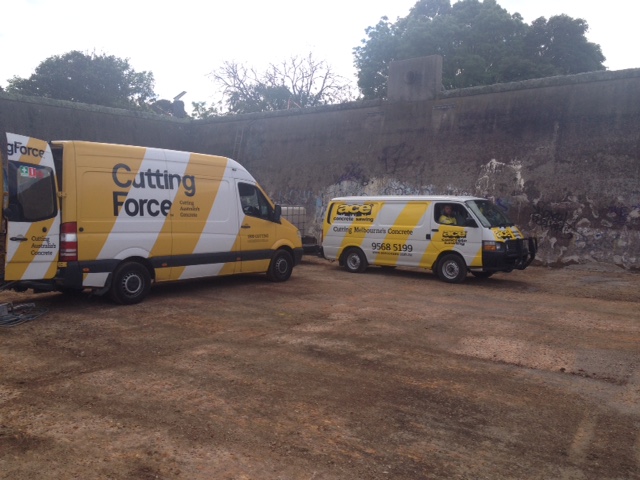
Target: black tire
(131, 283)
(281, 266)
(451, 268)
(354, 260)
(482, 274)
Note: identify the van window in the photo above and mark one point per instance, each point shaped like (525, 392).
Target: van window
(489, 215)
(32, 193)
(254, 203)
(450, 214)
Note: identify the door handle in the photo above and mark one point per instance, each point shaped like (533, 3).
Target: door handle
(435, 229)
(20, 238)
(243, 226)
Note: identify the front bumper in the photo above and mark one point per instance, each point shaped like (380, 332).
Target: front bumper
(517, 255)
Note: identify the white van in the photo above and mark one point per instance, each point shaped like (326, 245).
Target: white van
(116, 218)
(451, 235)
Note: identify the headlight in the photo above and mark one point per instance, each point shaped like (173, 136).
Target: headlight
(490, 246)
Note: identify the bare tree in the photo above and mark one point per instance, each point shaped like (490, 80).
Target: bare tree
(294, 83)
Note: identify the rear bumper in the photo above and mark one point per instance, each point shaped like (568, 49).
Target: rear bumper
(70, 277)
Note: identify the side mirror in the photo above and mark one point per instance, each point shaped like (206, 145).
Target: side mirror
(277, 213)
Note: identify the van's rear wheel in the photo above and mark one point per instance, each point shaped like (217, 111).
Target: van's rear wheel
(355, 261)
(131, 283)
(451, 268)
(281, 266)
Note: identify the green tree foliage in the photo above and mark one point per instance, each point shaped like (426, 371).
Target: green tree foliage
(480, 42)
(561, 43)
(201, 110)
(93, 79)
(294, 83)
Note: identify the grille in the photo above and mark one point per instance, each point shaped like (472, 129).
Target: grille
(516, 247)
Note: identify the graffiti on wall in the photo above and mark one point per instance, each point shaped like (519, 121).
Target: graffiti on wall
(570, 229)
(395, 187)
(620, 214)
(573, 229)
(353, 172)
(555, 221)
(576, 230)
(497, 178)
(400, 158)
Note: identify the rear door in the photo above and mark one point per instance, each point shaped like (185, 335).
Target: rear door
(31, 210)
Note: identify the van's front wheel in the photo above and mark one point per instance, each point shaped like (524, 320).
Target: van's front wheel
(355, 261)
(131, 283)
(281, 266)
(451, 268)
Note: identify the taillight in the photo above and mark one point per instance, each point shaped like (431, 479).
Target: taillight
(69, 242)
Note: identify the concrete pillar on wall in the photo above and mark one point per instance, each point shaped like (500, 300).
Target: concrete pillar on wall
(415, 79)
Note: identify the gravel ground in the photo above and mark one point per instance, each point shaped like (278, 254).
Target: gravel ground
(390, 374)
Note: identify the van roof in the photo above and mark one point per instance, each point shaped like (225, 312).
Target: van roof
(81, 146)
(407, 198)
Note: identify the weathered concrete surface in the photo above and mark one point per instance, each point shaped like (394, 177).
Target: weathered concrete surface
(530, 375)
(60, 120)
(415, 79)
(560, 155)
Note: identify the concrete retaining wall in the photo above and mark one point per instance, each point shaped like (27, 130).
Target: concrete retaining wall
(560, 155)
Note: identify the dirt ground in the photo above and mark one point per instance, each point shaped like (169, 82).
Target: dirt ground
(391, 374)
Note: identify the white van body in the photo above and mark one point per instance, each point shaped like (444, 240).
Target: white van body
(412, 231)
(116, 218)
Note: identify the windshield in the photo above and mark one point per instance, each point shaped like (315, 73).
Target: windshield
(488, 214)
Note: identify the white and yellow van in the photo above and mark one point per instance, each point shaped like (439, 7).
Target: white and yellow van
(114, 219)
(450, 235)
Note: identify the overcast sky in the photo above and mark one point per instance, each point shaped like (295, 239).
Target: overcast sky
(182, 42)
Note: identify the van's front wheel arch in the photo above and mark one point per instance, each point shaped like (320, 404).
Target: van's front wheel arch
(354, 260)
(130, 284)
(451, 268)
(281, 266)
